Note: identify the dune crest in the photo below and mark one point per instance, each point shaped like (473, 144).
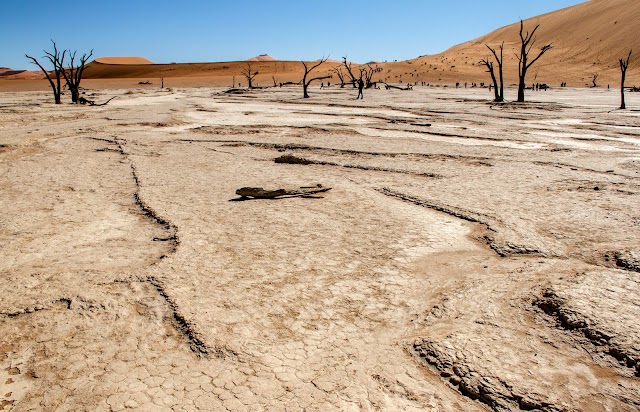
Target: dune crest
(262, 58)
(587, 38)
(123, 60)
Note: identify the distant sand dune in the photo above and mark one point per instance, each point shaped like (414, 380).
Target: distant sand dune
(10, 74)
(261, 58)
(587, 38)
(123, 60)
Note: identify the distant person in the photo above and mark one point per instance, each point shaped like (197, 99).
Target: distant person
(322, 85)
(360, 89)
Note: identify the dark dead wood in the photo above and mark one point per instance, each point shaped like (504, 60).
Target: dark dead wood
(390, 86)
(82, 100)
(260, 193)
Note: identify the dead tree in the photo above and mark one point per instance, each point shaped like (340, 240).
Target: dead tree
(490, 70)
(624, 65)
(367, 73)
(73, 75)
(347, 65)
(594, 79)
(57, 60)
(338, 71)
(249, 74)
(307, 71)
(527, 40)
(499, 60)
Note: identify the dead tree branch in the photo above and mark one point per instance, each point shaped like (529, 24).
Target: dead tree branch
(57, 60)
(260, 193)
(368, 75)
(249, 74)
(338, 71)
(489, 64)
(347, 66)
(527, 41)
(82, 100)
(624, 65)
(500, 96)
(307, 71)
(73, 75)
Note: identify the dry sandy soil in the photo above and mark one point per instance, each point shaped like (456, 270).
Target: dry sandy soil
(469, 256)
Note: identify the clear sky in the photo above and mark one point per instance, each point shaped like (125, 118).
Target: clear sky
(166, 31)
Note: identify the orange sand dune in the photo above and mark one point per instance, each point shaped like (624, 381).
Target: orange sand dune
(219, 74)
(588, 38)
(261, 58)
(123, 60)
(10, 74)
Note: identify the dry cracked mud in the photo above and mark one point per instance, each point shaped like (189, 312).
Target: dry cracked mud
(469, 256)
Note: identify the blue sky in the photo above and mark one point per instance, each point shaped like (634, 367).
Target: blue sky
(210, 30)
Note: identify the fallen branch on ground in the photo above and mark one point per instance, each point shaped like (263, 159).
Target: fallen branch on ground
(260, 193)
(390, 86)
(82, 100)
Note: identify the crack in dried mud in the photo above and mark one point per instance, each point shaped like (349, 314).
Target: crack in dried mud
(146, 210)
(186, 328)
(490, 390)
(627, 260)
(555, 306)
(182, 325)
(29, 310)
(290, 159)
(474, 160)
(502, 249)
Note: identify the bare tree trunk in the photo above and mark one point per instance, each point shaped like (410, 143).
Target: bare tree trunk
(527, 41)
(347, 66)
(57, 59)
(368, 75)
(521, 87)
(499, 60)
(307, 71)
(249, 75)
(338, 71)
(74, 75)
(624, 65)
(490, 70)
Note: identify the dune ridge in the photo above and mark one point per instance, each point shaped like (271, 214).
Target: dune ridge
(123, 60)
